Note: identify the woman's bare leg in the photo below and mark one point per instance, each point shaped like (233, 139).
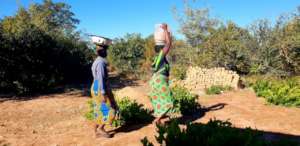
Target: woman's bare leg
(96, 128)
(159, 120)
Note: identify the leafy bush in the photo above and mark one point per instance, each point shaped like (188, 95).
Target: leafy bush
(127, 53)
(262, 88)
(40, 49)
(284, 92)
(262, 48)
(184, 101)
(130, 112)
(179, 72)
(214, 133)
(250, 80)
(216, 89)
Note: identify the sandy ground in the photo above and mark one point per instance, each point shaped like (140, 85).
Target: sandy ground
(57, 119)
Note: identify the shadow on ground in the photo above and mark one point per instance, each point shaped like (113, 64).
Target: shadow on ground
(282, 138)
(199, 113)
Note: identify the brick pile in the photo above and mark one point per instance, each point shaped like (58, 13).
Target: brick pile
(201, 78)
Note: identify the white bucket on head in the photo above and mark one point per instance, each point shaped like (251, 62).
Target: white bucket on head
(159, 35)
(98, 40)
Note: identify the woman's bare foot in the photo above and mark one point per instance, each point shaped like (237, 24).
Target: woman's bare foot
(164, 120)
(100, 132)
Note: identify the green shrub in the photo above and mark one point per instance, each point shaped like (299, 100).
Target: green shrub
(35, 56)
(250, 80)
(184, 101)
(130, 112)
(146, 142)
(179, 72)
(284, 92)
(262, 88)
(216, 89)
(214, 133)
(127, 53)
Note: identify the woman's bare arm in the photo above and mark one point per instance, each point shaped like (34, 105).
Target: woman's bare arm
(168, 44)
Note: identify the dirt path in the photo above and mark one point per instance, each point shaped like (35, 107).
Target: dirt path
(56, 120)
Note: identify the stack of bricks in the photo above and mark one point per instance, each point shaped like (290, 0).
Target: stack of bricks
(201, 78)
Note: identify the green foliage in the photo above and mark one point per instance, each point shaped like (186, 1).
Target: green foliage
(146, 142)
(287, 40)
(230, 48)
(181, 54)
(265, 58)
(214, 90)
(130, 112)
(214, 133)
(127, 53)
(54, 18)
(195, 24)
(285, 92)
(149, 51)
(250, 80)
(36, 56)
(262, 48)
(179, 72)
(184, 101)
(89, 115)
(276, 49)
(217, 89)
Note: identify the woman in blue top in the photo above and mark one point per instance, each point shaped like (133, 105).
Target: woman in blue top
(104, 105)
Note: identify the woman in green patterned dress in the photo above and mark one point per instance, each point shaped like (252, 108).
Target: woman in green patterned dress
(160, 94)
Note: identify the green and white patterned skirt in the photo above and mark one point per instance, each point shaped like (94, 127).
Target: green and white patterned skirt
(160, 95)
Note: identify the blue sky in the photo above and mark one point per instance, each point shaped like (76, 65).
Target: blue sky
(115, 18)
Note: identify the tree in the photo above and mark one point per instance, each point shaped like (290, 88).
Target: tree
(262, 48)
(287, 32)
(127, 53)
(228, 47)
(53, 17)
(38, 56)
(195, 24)
(276, 49)
(265, 57)
(149, 52)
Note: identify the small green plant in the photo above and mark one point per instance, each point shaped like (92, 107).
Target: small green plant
(250, 80)
(184, 101)
(216, 89)
(214, 133)
(146, 142)
(283, 92)
(262, 88)
(130, 112)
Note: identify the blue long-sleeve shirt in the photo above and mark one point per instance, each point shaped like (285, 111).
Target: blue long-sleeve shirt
(99, 70)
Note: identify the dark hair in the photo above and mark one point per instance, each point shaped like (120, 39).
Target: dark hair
(102, 51)
(157, 48)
